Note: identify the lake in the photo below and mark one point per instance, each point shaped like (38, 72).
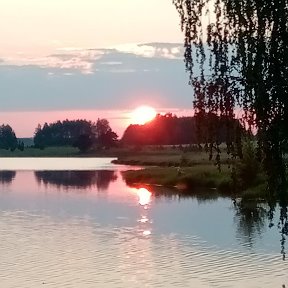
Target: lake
(75, 223)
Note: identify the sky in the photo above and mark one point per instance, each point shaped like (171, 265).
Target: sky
(70, 59)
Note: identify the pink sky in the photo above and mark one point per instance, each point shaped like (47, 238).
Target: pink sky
(47, 26)
(24, 123)
(63, 26)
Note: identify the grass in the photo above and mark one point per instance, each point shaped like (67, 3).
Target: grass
(166, 158)
(198, 172)
(201, 176)
(47, 152)
(147, 157)
(62, 151)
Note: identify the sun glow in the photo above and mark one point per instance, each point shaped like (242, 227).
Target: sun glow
(144, 196)
(142, 115)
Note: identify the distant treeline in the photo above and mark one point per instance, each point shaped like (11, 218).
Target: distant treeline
(78, 133)
(82, 134)
(165, 129)
(169, 129)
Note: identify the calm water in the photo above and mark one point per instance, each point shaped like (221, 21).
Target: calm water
(75, 223)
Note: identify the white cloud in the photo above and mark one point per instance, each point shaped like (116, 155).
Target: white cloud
(119, 59)
(112, 63)
(152, 50)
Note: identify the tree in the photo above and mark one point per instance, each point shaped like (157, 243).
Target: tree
(108, 139)
(101, 127)
(78, 133)
(105, 137)
(21, 145)
(84, 142)
(169, 129)
(63, 133)
(242, 54)
(8, 138)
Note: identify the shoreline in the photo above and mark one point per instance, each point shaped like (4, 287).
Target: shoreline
(166, 167)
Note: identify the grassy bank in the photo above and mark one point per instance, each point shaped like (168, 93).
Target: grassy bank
(146, 157)
(47, 152)
(66, 151)
(200, 176)
(197, 171)
(166, 158)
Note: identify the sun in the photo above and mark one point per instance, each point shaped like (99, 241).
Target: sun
(142, 115)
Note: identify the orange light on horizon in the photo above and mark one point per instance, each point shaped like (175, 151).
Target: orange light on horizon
(142, 115)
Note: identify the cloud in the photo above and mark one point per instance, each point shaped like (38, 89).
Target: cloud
(96, 79)
(89, 61)
(154, 50)
(112, 63)
(81, 60)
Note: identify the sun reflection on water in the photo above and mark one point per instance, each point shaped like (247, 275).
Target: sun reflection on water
(144, 196)
(144, 199)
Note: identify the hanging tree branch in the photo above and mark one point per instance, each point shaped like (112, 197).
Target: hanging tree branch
(241, 50)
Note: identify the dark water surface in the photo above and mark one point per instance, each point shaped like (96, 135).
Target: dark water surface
(75, 223)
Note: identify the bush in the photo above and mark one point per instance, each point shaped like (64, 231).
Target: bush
(249, 168)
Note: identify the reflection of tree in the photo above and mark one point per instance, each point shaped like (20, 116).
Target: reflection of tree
(250, 218)
(7, 176)
(283, 227)
(282, 224)
(77, 179)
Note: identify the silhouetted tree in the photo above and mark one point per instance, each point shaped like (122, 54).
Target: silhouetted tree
(8, 138)
(244, 64)
(105, 137)
(62, 133)
(20, 145)
(84, 142)
(78, 133)
(168, 129)
(242, 57)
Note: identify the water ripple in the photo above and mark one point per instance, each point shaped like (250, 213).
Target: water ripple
(40, 250)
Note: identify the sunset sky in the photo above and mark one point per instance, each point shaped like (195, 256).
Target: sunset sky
(87, 59)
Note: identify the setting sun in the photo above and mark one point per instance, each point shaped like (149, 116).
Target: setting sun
(142, 115)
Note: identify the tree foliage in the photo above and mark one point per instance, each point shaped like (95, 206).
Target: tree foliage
(106, 138)
(61, 133)
(84, 142)
(79, 133)
(165, 129)
(169, 129)
(8, 138)
(242, 53)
